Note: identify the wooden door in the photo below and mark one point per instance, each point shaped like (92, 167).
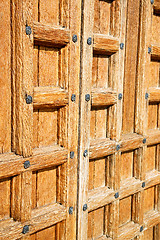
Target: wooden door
(40, 57)
(119, 126)
(79, 119)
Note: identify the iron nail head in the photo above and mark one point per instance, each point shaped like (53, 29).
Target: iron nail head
(141, 228)
(152, 1)
(84, 207)
(118, 147)
(121, 46)
(149, 50)
(71, 210)
(146, 96)
(120, 96)
(73, 97)
(71, 154)
(74, 38)
(144, 140)
(26, 164)
(87, 97)
(89, 41)
(143, 184)
(28, 99)
(116, 195)
(85, 154)
(25, 229)
(28, 30)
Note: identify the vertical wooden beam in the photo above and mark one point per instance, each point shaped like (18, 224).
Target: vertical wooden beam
(22, 122)
(141, 109)
(84, 122)
(23, 112)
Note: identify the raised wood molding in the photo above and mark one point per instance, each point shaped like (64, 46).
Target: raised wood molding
(103, 97)
(104, 44)
(52, 36)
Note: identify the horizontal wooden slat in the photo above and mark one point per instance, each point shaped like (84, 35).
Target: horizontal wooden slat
(154, 95)
(100, 148)
(42, 158)
(47, 216)
(41, 218)
(49, 97)
(103, 97)
(102, 196)
(155, 53)
(129, 231)
(130, 142)
(151, 219)
(153, 137)
(47, 35)
(156, 6)
(104, 44)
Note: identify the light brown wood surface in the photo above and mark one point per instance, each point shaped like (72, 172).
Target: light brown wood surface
(91, 135)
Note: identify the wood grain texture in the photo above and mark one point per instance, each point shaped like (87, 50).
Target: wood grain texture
(103, 97)
(154, 95)
(23, 78)
(155, 53)
(50, 36)
(104, 44)
(40, 218)
(50, 97)
(42, 158)
(156, 6)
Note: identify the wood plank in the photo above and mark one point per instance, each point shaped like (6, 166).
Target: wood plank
(104, 44)
(50, 97)
(84, 117)
(153, 137)
(151, 219)
(130, 142)
(41, 218)
(154, 95)
(5, 77)
(103, 97)
(23, 128)
(42, 158)
(129, 231)
(155, 53)
(50, 36)
(100, 148)
(156, 6)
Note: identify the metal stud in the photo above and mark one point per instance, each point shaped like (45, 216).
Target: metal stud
(28, 30)
(146, 96)
(89, 41)
(25, 229)
(84, 207)
(120, 96)
(118, 147)
(73, 97)
(152, 1)
(121, 46)
(144, 140)
(87, 97)
(149, 50)
(141, 228)
(116, 195)
(72, 155)
(143, 184)
(71, 210)
(74, 38)
(85, 154)
(26, 164)
(28, 99)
